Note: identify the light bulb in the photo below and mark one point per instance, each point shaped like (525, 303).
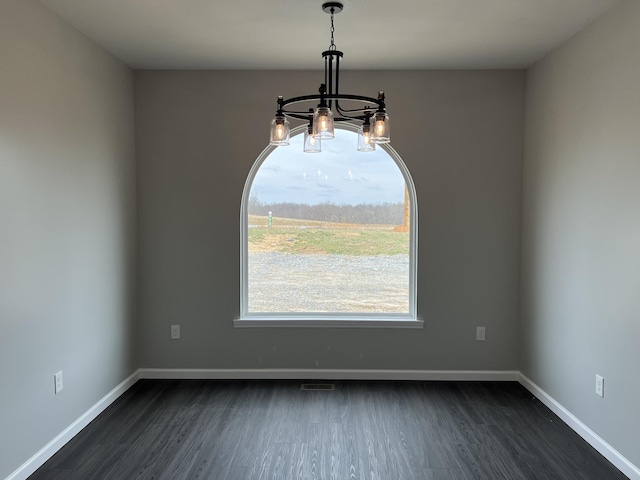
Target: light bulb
(364, 139)
(322, 126)
(311, 144)
(280, 131)
(380, 128)
(323, 123)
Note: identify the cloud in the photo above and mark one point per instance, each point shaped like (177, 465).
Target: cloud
(271, 168)
(339, 173)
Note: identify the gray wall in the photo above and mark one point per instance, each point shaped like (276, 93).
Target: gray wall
(67, 226)
(459, 133)
(581, 226)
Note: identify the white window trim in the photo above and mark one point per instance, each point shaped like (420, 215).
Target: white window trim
(331, 320)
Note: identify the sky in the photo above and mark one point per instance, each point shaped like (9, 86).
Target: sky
(339, 174)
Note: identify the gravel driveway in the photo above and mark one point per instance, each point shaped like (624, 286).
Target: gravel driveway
(284, 282)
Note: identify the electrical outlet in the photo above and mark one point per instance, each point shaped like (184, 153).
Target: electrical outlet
(599, 386)
(57, 382)
(480, 331)
(175, 332)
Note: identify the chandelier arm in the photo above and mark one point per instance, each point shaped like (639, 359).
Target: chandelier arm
(344, 111)
(363, 112)
(355, 114)
(337, 77)
(342, 96)
(330, 84)
(300, 116)
(326, 70)
(349, 119)
(337, 92)
(344, 118)
(297, 115)
(338, 57)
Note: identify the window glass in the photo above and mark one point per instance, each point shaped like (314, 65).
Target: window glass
(328, 233)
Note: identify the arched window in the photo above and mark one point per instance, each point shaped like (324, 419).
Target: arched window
(328, 238)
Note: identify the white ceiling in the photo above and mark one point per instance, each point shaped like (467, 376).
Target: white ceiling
(291, 34)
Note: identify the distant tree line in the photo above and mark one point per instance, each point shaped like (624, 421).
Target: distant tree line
(364, 213)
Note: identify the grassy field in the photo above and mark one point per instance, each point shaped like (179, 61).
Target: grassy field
(312, 237)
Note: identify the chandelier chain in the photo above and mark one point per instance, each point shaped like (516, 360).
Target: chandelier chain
(333, 45)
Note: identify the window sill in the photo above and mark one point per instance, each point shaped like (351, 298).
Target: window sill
(318, 322)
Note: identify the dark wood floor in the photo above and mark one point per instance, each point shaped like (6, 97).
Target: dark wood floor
(362, 430)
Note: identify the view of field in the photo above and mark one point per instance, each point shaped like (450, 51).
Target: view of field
(314, 237)
(312, 266)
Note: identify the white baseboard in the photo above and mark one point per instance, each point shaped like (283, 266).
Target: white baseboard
(328, 374)
(593, 439)
(46, 452)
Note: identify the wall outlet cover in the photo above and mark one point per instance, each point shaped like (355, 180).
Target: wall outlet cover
(599, 385)
(175, 332)
(57, 383)
(480, 334)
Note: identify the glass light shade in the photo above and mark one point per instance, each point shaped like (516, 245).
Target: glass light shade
(311, 143)
(364, 139)
(280, 131)
(380, 128)
(323, 123)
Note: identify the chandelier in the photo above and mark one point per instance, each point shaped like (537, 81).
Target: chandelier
(370, 111)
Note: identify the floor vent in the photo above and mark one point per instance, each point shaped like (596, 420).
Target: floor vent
(317, 386)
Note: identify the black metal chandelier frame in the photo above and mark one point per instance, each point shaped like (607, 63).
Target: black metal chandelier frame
(328, 93)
